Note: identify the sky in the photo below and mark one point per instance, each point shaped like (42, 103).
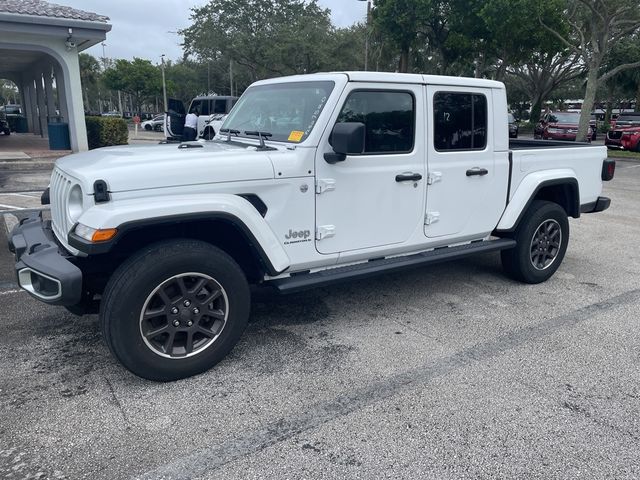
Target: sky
(146, 28)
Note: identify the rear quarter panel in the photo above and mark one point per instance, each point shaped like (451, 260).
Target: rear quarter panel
(531, 167)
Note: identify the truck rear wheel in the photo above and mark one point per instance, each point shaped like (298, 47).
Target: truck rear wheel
(175, 309)
(541, 242)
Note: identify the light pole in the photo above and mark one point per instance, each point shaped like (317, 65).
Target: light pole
(164, 85)
(366, 36)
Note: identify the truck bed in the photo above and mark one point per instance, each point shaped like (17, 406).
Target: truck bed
(540, 160)
(529, 144)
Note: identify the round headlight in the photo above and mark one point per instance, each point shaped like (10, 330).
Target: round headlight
(74, 205)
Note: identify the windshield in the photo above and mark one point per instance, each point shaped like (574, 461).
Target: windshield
(564, 118)
(511, 118)
(628, 119)
(287, 111)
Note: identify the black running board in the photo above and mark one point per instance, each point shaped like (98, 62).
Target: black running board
(304, 281)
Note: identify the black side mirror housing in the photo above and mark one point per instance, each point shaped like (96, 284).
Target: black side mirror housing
(346, 139)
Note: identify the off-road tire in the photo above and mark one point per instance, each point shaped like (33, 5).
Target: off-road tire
(133, 284)
(533, 246)
(208, 133)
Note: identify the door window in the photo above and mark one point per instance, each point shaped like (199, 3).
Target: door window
(389, 119)
(460, 121)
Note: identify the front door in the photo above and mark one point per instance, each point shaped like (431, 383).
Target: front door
(375, 198)
(174, 119)
(467, 179)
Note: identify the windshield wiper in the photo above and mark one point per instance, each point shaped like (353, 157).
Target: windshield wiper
(229, 131)
(262, 136)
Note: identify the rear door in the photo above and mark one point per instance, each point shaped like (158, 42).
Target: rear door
(174, 119)
(467, 179)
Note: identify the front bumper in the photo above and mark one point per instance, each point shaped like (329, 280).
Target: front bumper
(571, 137)
(42, 266)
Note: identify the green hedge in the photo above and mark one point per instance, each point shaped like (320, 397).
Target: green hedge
(106, 131)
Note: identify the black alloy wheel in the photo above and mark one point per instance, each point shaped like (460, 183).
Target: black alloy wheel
(542, 236)
(184, 315)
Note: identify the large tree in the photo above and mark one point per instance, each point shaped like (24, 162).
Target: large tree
(89, 76)
(139, 78)
(542, 74)
(265, 38)
(596, 26)
(402, 23)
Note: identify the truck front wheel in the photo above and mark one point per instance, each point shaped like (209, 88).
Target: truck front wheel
(175, 309)
(541, 238)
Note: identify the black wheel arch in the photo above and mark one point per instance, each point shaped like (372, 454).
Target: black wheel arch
(220, 229)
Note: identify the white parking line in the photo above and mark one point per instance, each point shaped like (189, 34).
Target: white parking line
(23, 194)
(8, 292)
(11, 207)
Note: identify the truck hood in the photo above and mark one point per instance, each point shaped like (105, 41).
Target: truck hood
(137, 167)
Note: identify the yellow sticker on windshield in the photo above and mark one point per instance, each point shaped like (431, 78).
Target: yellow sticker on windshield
(296, 136)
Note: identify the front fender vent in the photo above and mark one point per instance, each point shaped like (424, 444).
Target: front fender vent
(256, 201)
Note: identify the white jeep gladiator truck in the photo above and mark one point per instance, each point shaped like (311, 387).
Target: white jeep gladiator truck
(312, 180)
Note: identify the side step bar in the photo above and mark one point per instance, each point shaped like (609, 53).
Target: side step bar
(304, 281)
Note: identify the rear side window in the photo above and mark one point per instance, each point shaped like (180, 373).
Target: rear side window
(219, 106)
(389, 118)
(460, 121)
(201, 105)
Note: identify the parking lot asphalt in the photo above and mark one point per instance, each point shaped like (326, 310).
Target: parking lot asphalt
(446, 372)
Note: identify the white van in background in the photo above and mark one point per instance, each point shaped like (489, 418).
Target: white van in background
(212, 110)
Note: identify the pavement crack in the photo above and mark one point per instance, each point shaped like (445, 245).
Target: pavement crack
(116, 401)
(200, 462)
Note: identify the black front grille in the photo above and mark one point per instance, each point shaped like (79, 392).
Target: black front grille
(614, 135)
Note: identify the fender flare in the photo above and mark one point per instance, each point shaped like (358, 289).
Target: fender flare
(128, 215)
(528, 189)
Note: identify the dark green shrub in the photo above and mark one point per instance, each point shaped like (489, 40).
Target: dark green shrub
(106, 131)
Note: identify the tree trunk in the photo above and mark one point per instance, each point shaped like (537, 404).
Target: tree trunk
(536, 109)
(404, 60)
(589, 100)
(86, 99)
(608, 111)
(638, 98)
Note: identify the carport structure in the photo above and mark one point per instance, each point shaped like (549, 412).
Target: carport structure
(39, 46)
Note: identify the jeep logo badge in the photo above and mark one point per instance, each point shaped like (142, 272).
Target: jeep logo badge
(297, 236)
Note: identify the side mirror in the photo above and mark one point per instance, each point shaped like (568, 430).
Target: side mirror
(346, 139)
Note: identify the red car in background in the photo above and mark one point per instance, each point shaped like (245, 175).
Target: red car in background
(626, 122)
(630, 139)
(559, 126)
